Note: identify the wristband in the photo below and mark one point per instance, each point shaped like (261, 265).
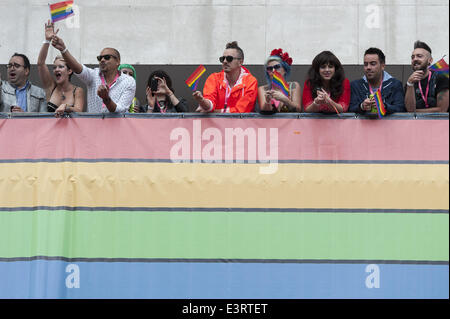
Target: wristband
(64, 51)
(409, 84)
(46, 42)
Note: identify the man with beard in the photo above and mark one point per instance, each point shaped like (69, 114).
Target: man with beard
(376, 79)
(18, 94)
(426, 91)
(108, 89)
(234, 90)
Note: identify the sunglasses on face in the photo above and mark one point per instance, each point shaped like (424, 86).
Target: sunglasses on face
(106, 57)
(274, 67)
(229, 58)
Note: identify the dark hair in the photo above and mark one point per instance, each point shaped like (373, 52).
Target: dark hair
(378, 52)
(26, 61)
(421, 45)
(336, 82)
(163, 75)
(234, 45)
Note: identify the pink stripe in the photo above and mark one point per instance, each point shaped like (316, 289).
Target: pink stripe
(305, 139)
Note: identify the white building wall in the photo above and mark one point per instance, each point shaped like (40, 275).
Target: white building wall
(196, 31)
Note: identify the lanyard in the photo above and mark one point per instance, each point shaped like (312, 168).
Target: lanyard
(109, 86)
(425, 98)
(161, 109)
(227, 96)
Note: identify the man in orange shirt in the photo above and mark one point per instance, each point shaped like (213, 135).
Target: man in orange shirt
(234, 90)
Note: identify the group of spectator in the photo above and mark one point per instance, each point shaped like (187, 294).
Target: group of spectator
(112, 86)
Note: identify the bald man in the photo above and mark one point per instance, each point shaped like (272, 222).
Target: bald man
(108, 90)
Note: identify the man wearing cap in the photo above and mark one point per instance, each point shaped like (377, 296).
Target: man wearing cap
(108, 90)
(426, 91)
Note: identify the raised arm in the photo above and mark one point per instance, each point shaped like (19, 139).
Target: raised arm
(72, 63)
(44, 72)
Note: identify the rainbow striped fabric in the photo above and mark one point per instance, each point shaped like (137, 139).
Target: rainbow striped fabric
(191, 211)
(381, 110)
(279, 82)
(440, 66)
(61, 10)
(192, 81)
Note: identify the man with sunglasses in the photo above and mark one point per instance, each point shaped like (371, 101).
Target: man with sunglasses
(18, 94)
(108, 90)
(233, 90)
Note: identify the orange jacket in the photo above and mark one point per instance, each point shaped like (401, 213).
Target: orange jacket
(243, 95)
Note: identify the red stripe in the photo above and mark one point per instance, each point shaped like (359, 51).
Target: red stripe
(195, 75)
(299, 139)
(60, 5)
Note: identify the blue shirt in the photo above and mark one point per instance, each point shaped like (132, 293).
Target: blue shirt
(21, 97)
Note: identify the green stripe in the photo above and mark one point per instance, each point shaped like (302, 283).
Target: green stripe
(247, 235)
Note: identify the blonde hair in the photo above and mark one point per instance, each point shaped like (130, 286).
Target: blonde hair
(60, 58)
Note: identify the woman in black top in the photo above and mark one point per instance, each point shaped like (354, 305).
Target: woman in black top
(61, 94)
(160, 95)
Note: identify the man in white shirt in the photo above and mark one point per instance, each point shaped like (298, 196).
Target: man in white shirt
(108, 90)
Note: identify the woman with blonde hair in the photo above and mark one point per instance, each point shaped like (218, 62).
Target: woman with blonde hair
(62, 96)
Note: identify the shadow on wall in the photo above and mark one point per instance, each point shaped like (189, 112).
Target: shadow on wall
(179, 73)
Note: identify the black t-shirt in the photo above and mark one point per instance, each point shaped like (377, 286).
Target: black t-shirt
(438, 83)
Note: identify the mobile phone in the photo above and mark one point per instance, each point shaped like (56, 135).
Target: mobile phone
(154, 86)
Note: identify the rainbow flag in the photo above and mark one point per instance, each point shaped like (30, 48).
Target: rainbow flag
(440, 66)
(279, 82)
(192, 81)
(380, 105)
(61, 10)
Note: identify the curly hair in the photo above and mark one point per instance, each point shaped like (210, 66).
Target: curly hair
(336, 82)
(163, 75)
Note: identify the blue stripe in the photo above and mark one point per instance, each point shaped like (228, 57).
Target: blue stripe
(47, 279)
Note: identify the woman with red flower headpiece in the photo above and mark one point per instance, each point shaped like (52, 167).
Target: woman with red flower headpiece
(272, 99)
(326, 89)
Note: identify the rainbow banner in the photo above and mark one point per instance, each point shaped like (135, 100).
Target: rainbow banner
(267, 208)
(278, 81)
(381, 110)
(192, 81)
(440, 66)
(61, 10)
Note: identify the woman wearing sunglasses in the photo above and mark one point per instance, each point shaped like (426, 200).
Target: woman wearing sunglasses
(270, 97)
(326, 89)
(61, 94)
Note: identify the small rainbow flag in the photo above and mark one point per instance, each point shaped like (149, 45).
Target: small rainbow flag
(440, 66)
(380, 105)
(192, 81)
(61, 10)
(279, 82)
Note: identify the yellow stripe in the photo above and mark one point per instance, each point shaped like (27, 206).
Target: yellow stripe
(224, 185)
